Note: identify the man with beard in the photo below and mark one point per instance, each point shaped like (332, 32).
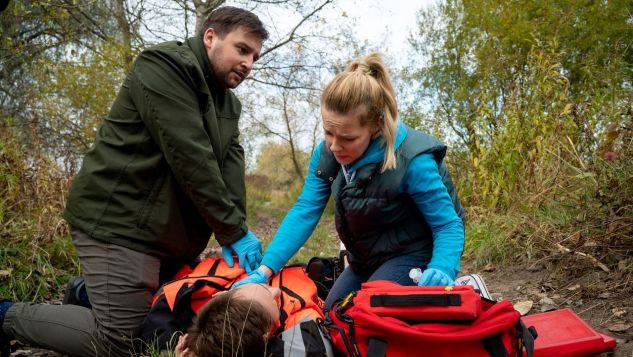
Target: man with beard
(166, 172)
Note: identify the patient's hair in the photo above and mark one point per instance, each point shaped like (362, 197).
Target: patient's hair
(230, 326)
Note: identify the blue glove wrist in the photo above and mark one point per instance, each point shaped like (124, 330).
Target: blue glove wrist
(257, 276)
(435, 277)
(445, 268)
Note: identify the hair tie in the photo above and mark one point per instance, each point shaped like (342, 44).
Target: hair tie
(364, 69)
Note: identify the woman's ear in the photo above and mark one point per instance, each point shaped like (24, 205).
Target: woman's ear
(376, 129)
(378, 123)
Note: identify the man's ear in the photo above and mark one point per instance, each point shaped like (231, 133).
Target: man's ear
(208, 36)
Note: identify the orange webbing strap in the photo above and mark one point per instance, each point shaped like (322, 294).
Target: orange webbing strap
(301, 315)
(213, 271)
(299, 297)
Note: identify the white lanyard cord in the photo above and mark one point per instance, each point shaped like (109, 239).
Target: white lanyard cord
(348, 178)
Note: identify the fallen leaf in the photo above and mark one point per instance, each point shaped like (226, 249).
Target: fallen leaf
(547, 304)
(618, 312)
(535, 291)
(496, 296)
(523, 307)
(489, 267)
(574, 287)
(5, 274)
(610, 155)
(535, 267)
(619, 327)
(613, 227)
(605, 295)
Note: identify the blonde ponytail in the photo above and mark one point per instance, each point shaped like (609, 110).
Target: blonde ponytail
(366, 82)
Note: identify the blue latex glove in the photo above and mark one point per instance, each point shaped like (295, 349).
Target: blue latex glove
(435, 277)
(248, 250)
(257, 276)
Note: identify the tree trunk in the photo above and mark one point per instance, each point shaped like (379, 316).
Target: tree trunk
(203, 9)
(125, 30)
(291, 141)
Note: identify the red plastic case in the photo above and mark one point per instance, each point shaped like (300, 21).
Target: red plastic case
(562, 333)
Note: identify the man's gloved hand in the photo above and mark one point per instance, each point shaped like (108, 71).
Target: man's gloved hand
(435, 277)
(257, 276)
(248, 250)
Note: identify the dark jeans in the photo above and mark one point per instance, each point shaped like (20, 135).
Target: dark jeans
(120, 283)
(396, 270)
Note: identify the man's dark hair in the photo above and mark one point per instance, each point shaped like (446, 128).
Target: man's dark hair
(230, 326)
(227, 18)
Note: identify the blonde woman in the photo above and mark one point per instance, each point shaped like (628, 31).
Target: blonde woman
(396, 207)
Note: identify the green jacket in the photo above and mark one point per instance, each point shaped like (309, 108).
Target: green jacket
(166, 170)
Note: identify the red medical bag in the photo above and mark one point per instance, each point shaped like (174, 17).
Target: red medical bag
(387, 319)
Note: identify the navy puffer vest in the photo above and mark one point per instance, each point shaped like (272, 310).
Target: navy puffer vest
(374, 219)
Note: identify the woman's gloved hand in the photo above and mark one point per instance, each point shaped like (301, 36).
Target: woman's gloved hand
(257, 276)
(435, 277)
(248, 250)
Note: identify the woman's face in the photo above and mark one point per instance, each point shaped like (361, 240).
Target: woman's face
(344, 134)
(266, 295)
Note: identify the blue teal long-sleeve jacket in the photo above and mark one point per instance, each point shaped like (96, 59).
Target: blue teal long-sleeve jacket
(422, 181)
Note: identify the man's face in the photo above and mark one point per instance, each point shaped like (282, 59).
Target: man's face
(232, 57)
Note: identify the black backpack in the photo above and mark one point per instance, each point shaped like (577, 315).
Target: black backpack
(324, 271)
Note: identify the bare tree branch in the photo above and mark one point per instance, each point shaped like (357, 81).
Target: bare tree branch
(94, 26)
(280, 85)
(291, 35)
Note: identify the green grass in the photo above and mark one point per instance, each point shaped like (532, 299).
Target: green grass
(151, 349)
(322, 243)
(486, 240)
(37, 271)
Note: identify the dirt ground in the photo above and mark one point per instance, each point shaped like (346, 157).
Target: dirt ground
(596, 296)
(602, 299)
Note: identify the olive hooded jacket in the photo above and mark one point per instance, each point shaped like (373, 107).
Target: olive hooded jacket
(166, 170)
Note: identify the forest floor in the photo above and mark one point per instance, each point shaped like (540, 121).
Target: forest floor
(602, 299)
(545, 287)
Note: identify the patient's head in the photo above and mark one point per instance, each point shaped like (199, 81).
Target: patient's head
(235, 323)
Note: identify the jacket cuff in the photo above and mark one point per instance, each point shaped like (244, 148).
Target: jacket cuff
(274, 262)
(228, 238)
